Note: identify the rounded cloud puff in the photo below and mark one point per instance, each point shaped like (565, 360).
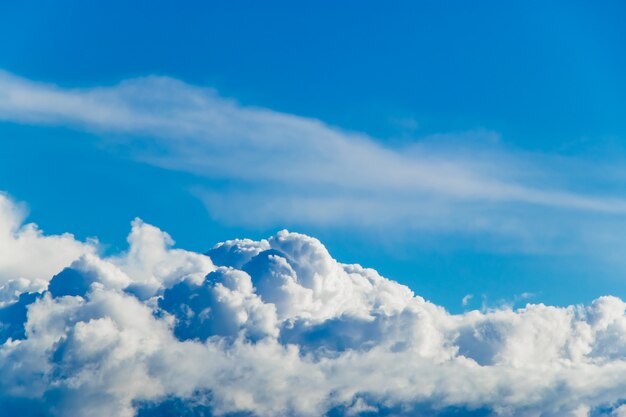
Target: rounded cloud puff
(278, 327)
(28, 258)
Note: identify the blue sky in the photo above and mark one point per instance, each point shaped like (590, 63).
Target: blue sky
(527, 100)
(474, 151)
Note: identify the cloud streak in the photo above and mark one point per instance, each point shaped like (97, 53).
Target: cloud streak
(300, 171)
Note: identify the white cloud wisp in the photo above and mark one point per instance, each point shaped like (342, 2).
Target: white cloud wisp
(300, 171)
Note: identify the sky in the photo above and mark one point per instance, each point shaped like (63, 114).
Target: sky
(312, 208)
(526, 82)
(525, 93)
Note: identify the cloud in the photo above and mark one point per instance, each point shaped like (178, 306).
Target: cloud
(466, 299)
(28, 258)
(153, 264)
(279, 327)
(274, 168)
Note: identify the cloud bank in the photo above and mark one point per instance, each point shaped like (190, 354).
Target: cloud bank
(300, 171)
(278, 327)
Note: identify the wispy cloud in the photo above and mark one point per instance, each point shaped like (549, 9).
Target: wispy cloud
(466, 299)
(280, 168)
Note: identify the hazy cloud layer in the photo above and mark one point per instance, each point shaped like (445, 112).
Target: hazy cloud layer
(301, 171)
(278, 327)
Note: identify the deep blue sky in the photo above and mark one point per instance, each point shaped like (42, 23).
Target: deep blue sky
(548, 78)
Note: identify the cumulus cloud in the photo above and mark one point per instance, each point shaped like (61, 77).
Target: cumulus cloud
(279, 327)
(153, 264)
(301, 171)
(28, 258)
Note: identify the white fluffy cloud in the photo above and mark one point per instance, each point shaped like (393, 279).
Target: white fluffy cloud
(278, 327)
(28, 258)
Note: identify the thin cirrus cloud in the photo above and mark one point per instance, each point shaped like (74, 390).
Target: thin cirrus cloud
(278, 327)
(284, 169)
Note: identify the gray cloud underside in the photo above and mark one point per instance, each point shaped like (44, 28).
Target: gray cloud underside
(276, 327)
